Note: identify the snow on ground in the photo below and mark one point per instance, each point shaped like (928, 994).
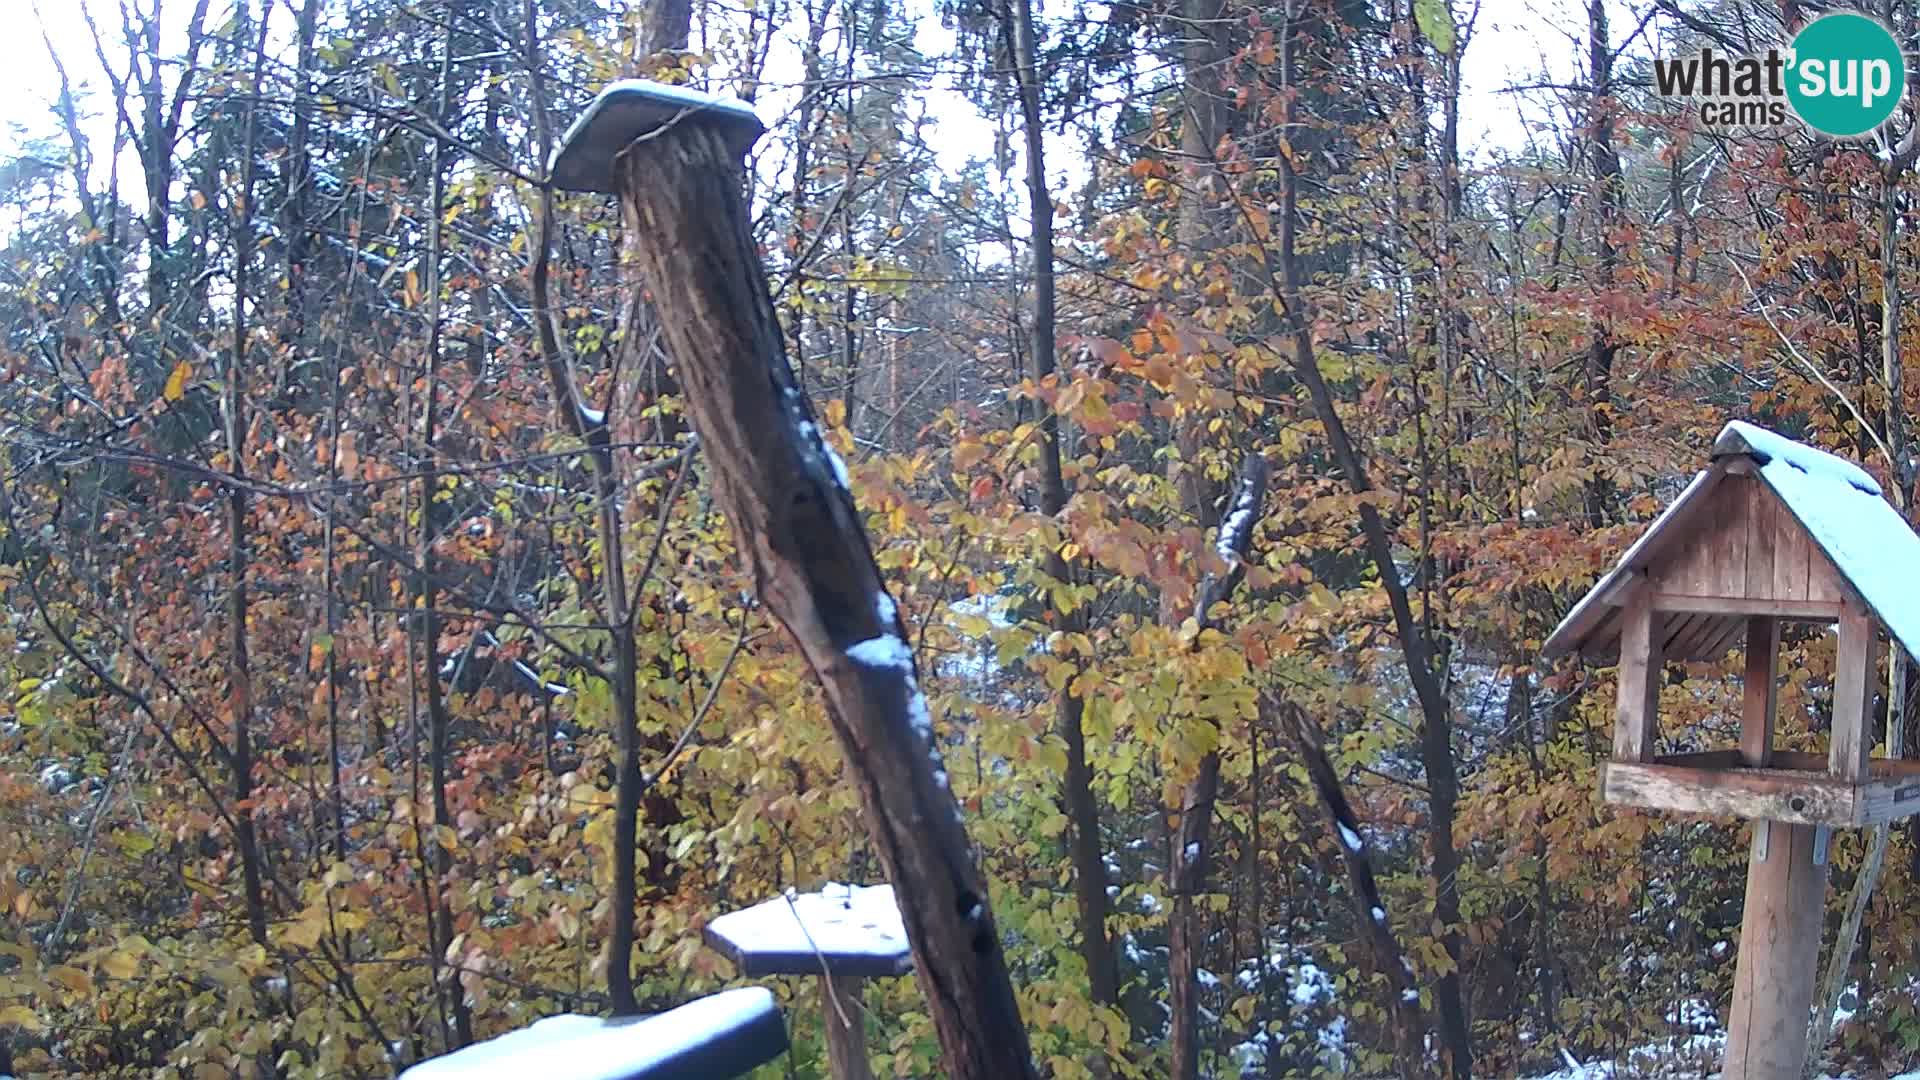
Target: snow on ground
(1688, 1058)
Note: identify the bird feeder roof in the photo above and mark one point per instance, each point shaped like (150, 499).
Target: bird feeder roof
(1853, 535)
(630, 110)
(852, 930)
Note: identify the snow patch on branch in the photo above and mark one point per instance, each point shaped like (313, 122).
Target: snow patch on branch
(886, 652)
(1236, 532)
(1354, 841)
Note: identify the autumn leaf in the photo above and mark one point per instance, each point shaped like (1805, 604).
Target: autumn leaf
(177, 382)
(72, 978)
(21, 1017)
(1436, 21)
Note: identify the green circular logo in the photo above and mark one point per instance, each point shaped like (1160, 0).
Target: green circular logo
(1846, 75)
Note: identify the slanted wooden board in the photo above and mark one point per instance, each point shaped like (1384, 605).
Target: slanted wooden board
(1796, 788)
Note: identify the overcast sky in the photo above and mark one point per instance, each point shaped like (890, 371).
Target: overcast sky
(1515, 42)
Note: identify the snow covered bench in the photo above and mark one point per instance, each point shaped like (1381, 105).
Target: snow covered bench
(720, 1036)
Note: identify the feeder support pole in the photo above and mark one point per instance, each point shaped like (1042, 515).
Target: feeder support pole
(844, 1001)
(1779, 952)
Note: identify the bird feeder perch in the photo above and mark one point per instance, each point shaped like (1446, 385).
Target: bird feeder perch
(1772, 531)
(844, 934)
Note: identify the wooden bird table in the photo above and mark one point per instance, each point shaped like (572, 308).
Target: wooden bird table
(1771, 532)
(844, 934)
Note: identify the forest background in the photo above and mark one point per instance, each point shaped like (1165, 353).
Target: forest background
(331, 608)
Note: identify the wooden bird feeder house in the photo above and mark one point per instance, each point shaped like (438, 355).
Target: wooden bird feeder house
(1772, 531)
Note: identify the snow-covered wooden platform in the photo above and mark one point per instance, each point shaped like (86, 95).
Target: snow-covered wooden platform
(840, 930)
(721, 1036)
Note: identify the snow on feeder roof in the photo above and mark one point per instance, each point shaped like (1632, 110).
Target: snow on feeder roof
(1812, 531)
(726, 1034)
(850, 930)
(633, 109)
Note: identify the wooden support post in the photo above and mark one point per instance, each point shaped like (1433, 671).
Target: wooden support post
(1779, 952)
(1636, 714)
(1757, 704)
(1853, 667)
(674, 158)
(841, 996)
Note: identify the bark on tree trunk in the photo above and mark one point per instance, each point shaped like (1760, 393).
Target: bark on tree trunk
(796, 526)
(592, 428)
(1409, 1024)
(1602, 346)
(428, 624)
(1083, 812)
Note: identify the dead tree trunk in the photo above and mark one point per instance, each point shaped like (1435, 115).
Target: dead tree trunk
(796, 526)
(1192, 838)
(1409, 1024)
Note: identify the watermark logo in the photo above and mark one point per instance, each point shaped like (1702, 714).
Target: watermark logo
(1842, 75)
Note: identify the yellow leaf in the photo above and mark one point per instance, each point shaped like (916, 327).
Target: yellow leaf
(304, 934)
(119, 965)
(72, 978)
(21, 1017)
(177, 382)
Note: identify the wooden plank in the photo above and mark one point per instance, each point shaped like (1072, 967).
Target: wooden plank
(1757, 691)
(1692, 569)
(1699, 642)
(1852, 678)
(1729, 545)
(1789, 554)
(1823, 580)
(1788, 763)
(1708, 759)
(846, 1025)
(1809, 799)
(1637, 707)
(1811, 610)
(1779, 953)
(1731, 631)
(1760, 540)
(1887, 799)
(1675, 632)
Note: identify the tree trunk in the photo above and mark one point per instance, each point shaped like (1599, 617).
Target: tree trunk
(1894, 432)
(427, 625)
(1192, 837)
(1436, 729)
(1409, 1025)
(1082, 811)
(1610, 193)
(592, 427)
(796, 526)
